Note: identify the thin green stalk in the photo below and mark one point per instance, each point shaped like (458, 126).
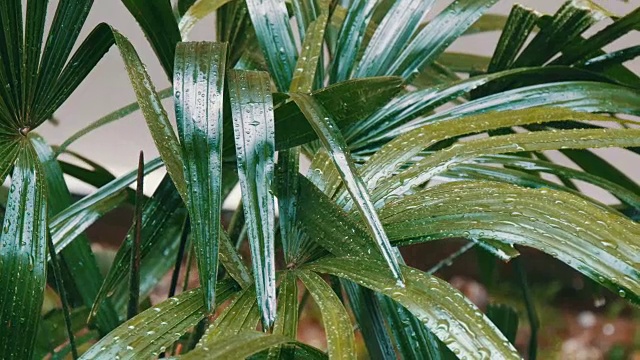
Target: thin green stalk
(532, 315)
(187, 272)
(179, 257)
(57, 275)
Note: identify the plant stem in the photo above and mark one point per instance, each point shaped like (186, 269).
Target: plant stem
(134, 281)
(532, 315)
(176, 268)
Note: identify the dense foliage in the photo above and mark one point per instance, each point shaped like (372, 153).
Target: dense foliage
(359, 88)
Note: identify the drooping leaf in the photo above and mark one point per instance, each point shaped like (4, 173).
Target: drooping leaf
(155, 115)
(445, 311)
(77, 256)
(23, 257)
(340, 339)
(254, 134)
(198, 89)
(332, 140)
(159, 25)
(153, 330)
(271, 21)
(561, 224)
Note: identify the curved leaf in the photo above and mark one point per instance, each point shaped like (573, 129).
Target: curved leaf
(253, 126)
(333, 141)
(337, 325)
(155, 115)
(600, 243)
(287, 320)
(445, 311)
(23, 257)
(240, 346)
(196, 12)
(153, 330)
(241, 315)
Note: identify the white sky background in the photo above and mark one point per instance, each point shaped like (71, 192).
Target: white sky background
(107, 88)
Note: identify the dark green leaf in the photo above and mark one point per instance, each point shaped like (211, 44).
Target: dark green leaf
(331, 138)
(340, 339)
(198, 89)
(254, 133)
(519, 25)
(196, 12)
(287, 320)
(160, 26)
(505, 318)
(444, 310)
(239, 346)
(77, 256)
(271, 21)
(23, 257)
(241, 315)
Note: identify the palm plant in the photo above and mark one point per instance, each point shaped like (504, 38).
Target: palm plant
(361, 95)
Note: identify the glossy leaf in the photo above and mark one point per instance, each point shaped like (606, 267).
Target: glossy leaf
(287, 320)
(23, 257)
(310, 56)
(332, 140)
(518, 27)
(198, 89)
(240, 346)
(72, 221)
(254, 133)
(155, 115)
(431, 41)
(241, 315)
(159, 25)
(162, 220)
(152, 331)
(445, 311)
(466, 63)
(559, 223)
(77, 256)
(350, 38)
(340, 339)
(271, 21)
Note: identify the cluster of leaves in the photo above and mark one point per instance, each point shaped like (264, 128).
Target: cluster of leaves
(361, 95)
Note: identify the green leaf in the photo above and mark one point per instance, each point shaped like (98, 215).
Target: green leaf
(332, 140)
(12, 47)
(518, 27)
(64, 31)
(241, 315)
(307, 64)
(391, 37)
(466, 63)
(73, 220)
(591, 238)
(196, 12)
(486, 23)
(9, 151)
(232, 261)
(371, 321)
(532, 141)
(109, 118)
(153, 330)
(23, 257)
(350, 38)
(506, 319)
(92, 49)
(162, 219)
(403, 148)
(287, 320)
(445, 311)
(584, 48)
(77, 256)
(271, 21)
(198, 89)
(155, 115)
(565, 27)
(340, 338)
(240, 346)
(253, 127)
(413, 339)
(431, 41)
(159, 25)
(609, 61)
